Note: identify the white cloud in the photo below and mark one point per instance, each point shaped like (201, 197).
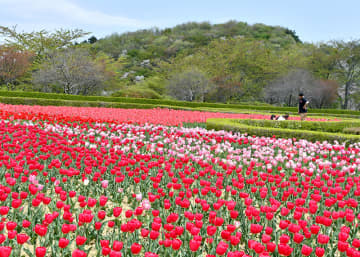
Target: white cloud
(60, 12)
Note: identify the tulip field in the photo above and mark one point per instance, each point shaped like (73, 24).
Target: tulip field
(109, 182)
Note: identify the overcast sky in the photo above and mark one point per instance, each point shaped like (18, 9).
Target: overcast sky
(313, 20)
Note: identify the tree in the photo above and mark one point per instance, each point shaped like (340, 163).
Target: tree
(189, 86)
(285, 89)
(347, 70)
(225, 89)
(292, 33)
(13, 65)
(247, 65)
(73, 70)
(41, 42)
(92, 40)
(324, 94)
(322, 60)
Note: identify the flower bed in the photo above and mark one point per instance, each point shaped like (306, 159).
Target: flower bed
(82, 188)
(141, 116)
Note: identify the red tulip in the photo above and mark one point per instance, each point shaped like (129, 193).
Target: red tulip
(135, 248)
(271, 247)
(194, 245)
(106, 251)
(284, 239)
(41, 230)
(285, 249)
(12, 234)
(98, 225)
(115, 254)
(78, 253)
(298, 238)
(306, 250)
(319, 252)
(117, 211)
(225, 235)
(149, 254)
(11, 225)
(268, 230)
(343, 236)
(117, 245)
(323, 239)
(40, 251)
(258, 248)
(221, 248)
(144, 232)
(2, 238)
(235, 240)
(26, 224)
(103, 200)
(314, 229)
(80, 240)
(63, 242)
(4, 210)
(5, 251)
(22, 238)
(283, 224)
(356, 243)
(104, 243)
(266, 238)
(16, 203)
(255, 228)
(219, 221)
(154, 235)
(176, 244)
(342, 246)
(101, 215)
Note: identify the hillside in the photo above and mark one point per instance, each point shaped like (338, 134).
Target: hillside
(165, 43)
(144, 49)
(146, 54)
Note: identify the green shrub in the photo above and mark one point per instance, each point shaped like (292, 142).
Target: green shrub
(155, 83)
(137, 92)
(237, 126)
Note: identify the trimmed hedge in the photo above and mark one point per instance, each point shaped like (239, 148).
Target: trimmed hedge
(138, 92)
(322, 126)
(126, 100)
(354, 131)
(311, 135)
(59, 102)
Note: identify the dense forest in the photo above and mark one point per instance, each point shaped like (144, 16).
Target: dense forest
(230, 62)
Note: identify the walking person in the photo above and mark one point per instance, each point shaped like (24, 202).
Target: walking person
(303, 104)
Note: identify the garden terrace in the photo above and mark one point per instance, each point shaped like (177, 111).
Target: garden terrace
(36, 98)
